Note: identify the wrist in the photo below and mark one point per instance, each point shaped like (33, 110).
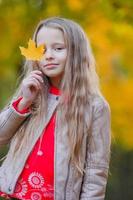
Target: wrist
(24, 104)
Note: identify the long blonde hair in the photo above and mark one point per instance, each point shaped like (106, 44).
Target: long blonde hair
(80, 82)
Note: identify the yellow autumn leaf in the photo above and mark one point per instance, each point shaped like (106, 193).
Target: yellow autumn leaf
(32, 52)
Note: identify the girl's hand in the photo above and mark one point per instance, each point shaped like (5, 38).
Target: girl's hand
(30, 88)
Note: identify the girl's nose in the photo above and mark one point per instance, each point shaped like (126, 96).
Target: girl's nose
(49, 54)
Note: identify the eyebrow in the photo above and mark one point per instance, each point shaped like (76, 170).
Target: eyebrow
(58, 43)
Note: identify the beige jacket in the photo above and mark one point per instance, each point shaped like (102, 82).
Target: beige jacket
(67, 184)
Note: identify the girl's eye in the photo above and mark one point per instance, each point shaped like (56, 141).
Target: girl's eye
(59, 48)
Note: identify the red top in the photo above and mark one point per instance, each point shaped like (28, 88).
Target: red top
(36, 181)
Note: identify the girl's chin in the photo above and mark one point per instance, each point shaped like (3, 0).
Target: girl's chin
(52, 73)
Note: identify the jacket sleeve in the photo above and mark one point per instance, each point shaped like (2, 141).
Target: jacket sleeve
(98, 154)
(10, 121)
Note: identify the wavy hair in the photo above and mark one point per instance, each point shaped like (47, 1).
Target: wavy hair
(79, 83)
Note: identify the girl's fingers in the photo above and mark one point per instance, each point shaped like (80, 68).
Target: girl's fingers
(32, 85)
(37, 72)
(34, 82)
(34, 77)
(38, 77)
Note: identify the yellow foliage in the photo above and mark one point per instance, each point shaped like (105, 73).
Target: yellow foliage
(123, 30)
(112, 43)
(75, 4)
(120, 97)
(52, 8)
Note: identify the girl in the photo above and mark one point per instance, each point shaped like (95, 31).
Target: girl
(58, 125)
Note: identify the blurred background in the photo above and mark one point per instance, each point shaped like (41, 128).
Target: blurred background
(109, 26)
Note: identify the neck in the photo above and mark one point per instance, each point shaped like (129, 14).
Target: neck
(56, 82)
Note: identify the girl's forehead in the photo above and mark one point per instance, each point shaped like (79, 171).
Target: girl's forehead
(48, 35)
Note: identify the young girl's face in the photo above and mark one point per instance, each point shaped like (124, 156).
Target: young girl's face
(53, 62)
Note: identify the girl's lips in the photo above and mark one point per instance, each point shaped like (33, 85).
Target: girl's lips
(50, 65)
